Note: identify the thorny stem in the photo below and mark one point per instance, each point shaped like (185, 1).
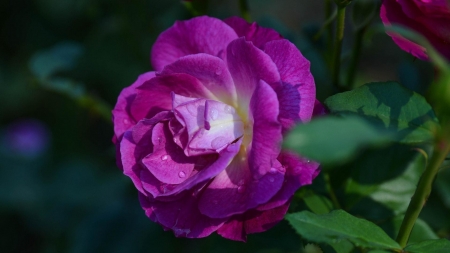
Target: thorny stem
(423, 190)
(338, 45)
(245, 12)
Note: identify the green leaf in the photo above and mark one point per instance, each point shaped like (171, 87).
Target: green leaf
(429, 246)
(389, 106)
(339, 225)
(387, 176)
(317, 203)
(334, 140)
(61, 57)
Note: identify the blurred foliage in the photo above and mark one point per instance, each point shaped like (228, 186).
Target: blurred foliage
(56, 55)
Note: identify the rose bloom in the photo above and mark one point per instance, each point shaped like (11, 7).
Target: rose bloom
(201, 136)
(431, 18)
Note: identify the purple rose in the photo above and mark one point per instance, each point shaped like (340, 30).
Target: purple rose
(200, 137)
(431, 18)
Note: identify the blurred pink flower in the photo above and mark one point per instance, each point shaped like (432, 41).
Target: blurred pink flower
(431, 18)
(200, 137)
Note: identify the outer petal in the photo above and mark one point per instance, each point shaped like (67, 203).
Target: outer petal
(198, 35)
(248, 65)
(121, 115)
(211, 71)
(391, 13)
(299, 172)
(181, 216)
(297, 91)
(155, 95)
(252, 32)
(252, 222)
(267, 138)
(234, 190)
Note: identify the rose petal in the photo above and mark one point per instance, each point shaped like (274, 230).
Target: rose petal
(299, 172)
(252, 222)
(181, 216)
(235, 191)
(167, 162)
(198, 35)
(267, 137)
(297, 91)
(252, 32)
(122, 118)
(155, 95)
(248, 65)
(210, 70)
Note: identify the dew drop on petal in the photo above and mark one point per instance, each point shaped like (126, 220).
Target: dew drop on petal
(214, 113)
(308, 161)
(164, 157)
(241, 189)
(218, 142)
(282, 169)
(273, 170)
(228, 109)
(181, 174)
(125, 121)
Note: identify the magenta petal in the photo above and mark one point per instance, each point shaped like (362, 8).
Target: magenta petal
(191, 115)
(155, 95)
(261, 221)
(233, 229)
(122, 118)
(167, 162)
(198, 35)
(297, 92)
(267, 137)
(299, 172)
(210, 70)
(181, 216)
(248, 65)
(319, 109)
(252, 32)
(210, 171)
(235, 191)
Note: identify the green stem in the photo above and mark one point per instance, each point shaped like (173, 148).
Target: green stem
(330, 191)
(328, 15)
(355, 57)
(423, 190)
(245, 12)
(338, 45)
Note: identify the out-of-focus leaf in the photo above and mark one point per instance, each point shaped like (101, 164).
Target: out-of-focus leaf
(363, 12)
(61, 57)
(339, 225)
(334, 140)
(317, 203)
(390, 106)
(429, 246)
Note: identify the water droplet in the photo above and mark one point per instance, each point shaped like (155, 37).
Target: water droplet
(164, 157)
(241, 189)
(192, 109)
(282, 169)
(271, 179)
(228, 109)
(218, 71)
(233, 147)
(175, 140)
(214, 113)
(159, 140)
(125, 121)
(241, 182)
(215, 202)
(308, 161)
(218, 142)
(273, 170)
(181, 174)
